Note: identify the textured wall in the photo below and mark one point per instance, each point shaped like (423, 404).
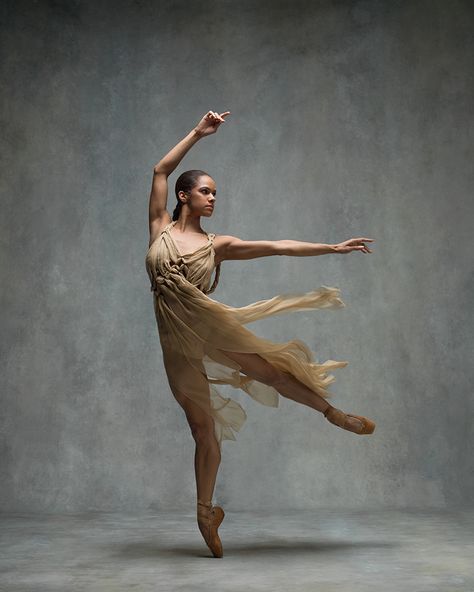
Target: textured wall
(348, 119)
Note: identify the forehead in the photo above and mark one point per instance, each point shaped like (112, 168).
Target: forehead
(206, 180)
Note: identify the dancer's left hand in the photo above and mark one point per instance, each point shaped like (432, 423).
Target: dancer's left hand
(210, 123)
(354, 244)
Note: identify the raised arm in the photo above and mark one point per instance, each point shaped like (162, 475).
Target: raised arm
(158, 215)
(157, 212)
(231, 247)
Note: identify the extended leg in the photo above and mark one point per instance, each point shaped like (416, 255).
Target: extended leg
(286, 384)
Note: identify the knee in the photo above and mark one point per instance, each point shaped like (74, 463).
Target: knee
(203, 433)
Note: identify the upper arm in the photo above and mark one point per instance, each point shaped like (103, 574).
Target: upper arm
(158, 215)
(231, 247)
(158, 195)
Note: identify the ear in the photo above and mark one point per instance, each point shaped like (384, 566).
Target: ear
(182, 196)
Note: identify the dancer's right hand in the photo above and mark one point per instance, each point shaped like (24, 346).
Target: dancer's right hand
(210, 123)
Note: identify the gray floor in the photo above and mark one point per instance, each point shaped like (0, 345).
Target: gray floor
(325, 550)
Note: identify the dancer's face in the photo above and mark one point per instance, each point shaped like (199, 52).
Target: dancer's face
(201, 199)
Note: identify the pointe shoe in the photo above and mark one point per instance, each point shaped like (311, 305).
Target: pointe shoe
(339, 418)
(209, 518)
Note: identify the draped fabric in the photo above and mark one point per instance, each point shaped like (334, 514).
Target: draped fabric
(195, 331)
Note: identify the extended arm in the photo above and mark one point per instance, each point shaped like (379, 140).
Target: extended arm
(231, 247)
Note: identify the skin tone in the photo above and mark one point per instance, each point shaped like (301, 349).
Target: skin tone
(189, 236)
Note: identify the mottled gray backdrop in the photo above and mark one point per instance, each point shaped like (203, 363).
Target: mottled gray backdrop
(348, 119)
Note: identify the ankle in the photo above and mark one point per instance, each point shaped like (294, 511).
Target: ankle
(328, 408)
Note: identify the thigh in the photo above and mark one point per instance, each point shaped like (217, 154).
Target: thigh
(180, 374)
(255, 366)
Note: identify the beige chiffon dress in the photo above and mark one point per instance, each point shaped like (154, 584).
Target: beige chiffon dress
(195, 331)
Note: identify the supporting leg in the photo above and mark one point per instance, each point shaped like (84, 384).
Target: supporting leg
(207, 455)
(207, 459)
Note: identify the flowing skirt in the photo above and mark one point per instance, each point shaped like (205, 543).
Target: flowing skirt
(195, 331)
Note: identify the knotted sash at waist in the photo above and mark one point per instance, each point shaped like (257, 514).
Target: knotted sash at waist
(168, 276)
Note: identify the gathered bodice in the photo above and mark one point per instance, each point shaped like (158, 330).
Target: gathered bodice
(165, 264)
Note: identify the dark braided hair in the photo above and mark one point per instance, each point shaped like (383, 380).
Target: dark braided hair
(185, 182)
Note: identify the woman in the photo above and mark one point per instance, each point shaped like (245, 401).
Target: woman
(205, 342)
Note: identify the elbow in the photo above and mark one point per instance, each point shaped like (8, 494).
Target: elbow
(159, 169)
(282, 247)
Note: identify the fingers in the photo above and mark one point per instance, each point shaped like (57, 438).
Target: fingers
(213, 115)
(358, 244)
(362, 249)
(350, 246)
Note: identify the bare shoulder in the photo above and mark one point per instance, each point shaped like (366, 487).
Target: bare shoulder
(221, 240)
(220, 243)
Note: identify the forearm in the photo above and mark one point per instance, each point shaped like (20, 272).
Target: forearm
(169, 162)
(303, 249)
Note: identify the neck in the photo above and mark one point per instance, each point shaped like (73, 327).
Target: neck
(187, 223)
